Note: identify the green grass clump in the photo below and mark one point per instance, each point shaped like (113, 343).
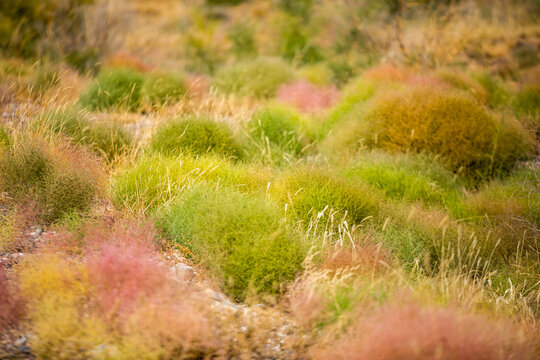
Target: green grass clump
(196, 136)
(354, 97)
(527, 106)
(452, 125)
(164, 88)
(60, 179)
(107, 139)
(277, 133)
(259, 78)
(497, 93)
(241, 240)
(411, 178)
(156, 179)
(118, 89)
(308, 191)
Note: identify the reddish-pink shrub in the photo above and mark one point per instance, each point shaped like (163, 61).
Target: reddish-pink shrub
(123, 270)
(414, 332)
(10, 303)
(307, 97)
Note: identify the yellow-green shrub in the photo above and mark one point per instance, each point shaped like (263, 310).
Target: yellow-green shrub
(56, 290)
(277, 135)
(157, 179)
(196, 136)
(259, 78)
(409, 177)
(241, 239)
(163, 88)
(114, 89)
(309, 190)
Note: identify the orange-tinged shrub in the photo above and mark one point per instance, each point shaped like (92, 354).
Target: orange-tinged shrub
(387, 72)
(126, 60)
(452, 125)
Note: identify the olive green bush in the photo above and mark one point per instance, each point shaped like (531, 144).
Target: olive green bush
(114, 89)
(197, 136)
(163, 88)
(59, 179)
(260, 77)
(108, 139)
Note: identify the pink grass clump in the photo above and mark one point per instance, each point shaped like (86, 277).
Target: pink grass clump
(10, 303)
(124, 270)
(414, 332)
(307, 97)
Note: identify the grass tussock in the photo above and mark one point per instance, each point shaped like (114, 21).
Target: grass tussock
(196, 136)
(164, 88)
(154, 180)
(108, 139)
(119, 89)
(278, 135)
(309, 191)
(242, 241)
(60, 179)
(177, 182)
(260, 77)
(96, 308)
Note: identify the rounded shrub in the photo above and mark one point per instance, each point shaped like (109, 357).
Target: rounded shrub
(197, 136)
(409, 177)
(509, 209)
(163, 88)
(156, 179)
(108, 139)
(280, 127)
(451, 125)
(58, 178)
(312, 190)
(118, 89)
(241, 240)
(259, 78)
